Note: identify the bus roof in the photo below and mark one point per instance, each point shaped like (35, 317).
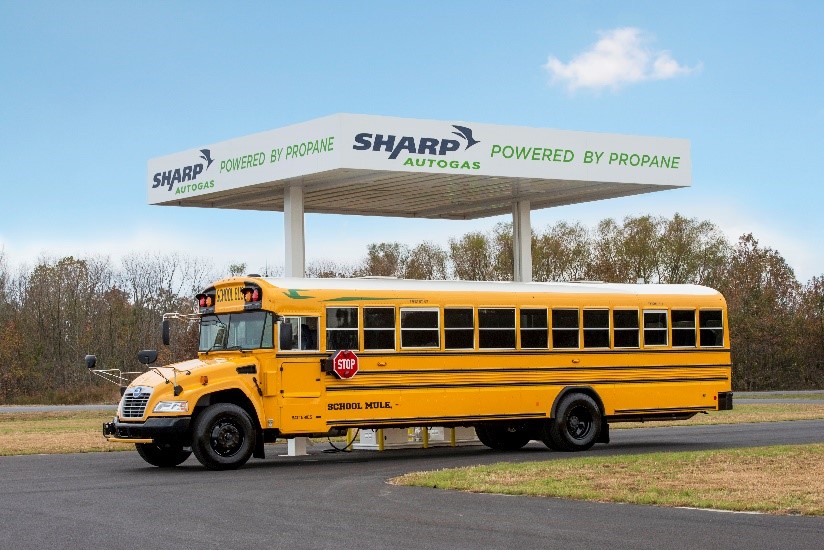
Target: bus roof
(585, 287)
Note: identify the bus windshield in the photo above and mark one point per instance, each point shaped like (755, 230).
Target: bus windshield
(234, 331)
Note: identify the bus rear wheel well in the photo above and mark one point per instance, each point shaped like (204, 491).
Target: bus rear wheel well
(586, 390)
(590, 392)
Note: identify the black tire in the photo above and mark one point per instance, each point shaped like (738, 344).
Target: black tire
(223, 437)
(576, 426)
(503, 437)
(162, 455)
(546, 438)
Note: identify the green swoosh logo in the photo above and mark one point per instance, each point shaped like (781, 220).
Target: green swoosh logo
(293, 294)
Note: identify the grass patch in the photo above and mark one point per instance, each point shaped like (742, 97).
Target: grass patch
(763, 479)
(78, 396)
(55, 432)
(810, 396)
(741, 414)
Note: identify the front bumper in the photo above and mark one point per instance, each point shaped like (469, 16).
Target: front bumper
(165, 428)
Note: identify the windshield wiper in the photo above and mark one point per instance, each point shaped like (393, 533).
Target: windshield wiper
(236, 348)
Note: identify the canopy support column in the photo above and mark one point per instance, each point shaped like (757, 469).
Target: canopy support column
(522, 241)
(293, 232)
(295, 267)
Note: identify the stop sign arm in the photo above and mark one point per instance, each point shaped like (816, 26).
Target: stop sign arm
(345, 364)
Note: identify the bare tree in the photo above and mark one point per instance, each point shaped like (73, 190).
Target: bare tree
(4, 285)
(427, 261)
(562, 253)
(810, 334)
(641, 247)
(472, 257)
(762, 295)
(691, 251)
(385, 259)
(327, 269)
(502, 251)
(237, 269)
(608, 260)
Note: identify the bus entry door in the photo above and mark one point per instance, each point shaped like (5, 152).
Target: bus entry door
(300, 392)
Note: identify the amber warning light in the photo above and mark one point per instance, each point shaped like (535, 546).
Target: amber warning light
(205, 300)
(251, 294)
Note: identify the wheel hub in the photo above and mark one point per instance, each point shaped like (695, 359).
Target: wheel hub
(226, 438)
(578, 427)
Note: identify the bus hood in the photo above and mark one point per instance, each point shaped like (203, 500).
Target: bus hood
(183, 371)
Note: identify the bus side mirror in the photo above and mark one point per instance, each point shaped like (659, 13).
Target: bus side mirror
(91, 361)
(285, 331)
(165, 332)
(147, 356)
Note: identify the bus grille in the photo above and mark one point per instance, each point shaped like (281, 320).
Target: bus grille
(134, 402)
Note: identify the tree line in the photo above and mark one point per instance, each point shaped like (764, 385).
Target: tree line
(54, 313)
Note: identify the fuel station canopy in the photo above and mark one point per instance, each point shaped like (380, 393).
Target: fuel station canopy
(398, 167)
(385, 166)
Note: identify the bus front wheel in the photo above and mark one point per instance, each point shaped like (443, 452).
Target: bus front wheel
(162, 455)
(576, 426)
(223, 437)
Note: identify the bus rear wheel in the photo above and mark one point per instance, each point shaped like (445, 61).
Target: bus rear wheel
(162, 455)
(503, 437)
(576, 426)
(223, 437)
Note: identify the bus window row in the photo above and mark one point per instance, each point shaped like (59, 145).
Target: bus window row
(466, 328)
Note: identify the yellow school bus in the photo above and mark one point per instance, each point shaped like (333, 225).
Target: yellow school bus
(555, 362)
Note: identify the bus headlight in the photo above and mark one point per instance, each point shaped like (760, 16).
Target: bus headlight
(171, 407)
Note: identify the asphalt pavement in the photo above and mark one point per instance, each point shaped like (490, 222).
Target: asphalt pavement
(342, 500)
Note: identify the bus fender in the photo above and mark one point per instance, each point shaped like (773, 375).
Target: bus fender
(231, 395)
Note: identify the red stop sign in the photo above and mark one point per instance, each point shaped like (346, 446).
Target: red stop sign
(345, 364)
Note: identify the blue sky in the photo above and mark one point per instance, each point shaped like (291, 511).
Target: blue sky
(92, 90)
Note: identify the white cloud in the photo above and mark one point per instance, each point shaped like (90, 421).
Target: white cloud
(620, 57)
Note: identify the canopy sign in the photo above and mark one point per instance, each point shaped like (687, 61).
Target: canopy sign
(423, 168)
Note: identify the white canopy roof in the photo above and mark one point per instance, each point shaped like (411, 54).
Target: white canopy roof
(385, 166)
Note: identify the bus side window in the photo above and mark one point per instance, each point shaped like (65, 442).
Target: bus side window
(655, 328)
(596, 328)
(304, 333)
(565, 328)
(459, 328)
(420, 328)
(308, 333)
(379, 328)
(534, 329)
(496, 328)
(625, 328)
(294, 323)
(683, 328)
(711, 323)
(341, 328)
